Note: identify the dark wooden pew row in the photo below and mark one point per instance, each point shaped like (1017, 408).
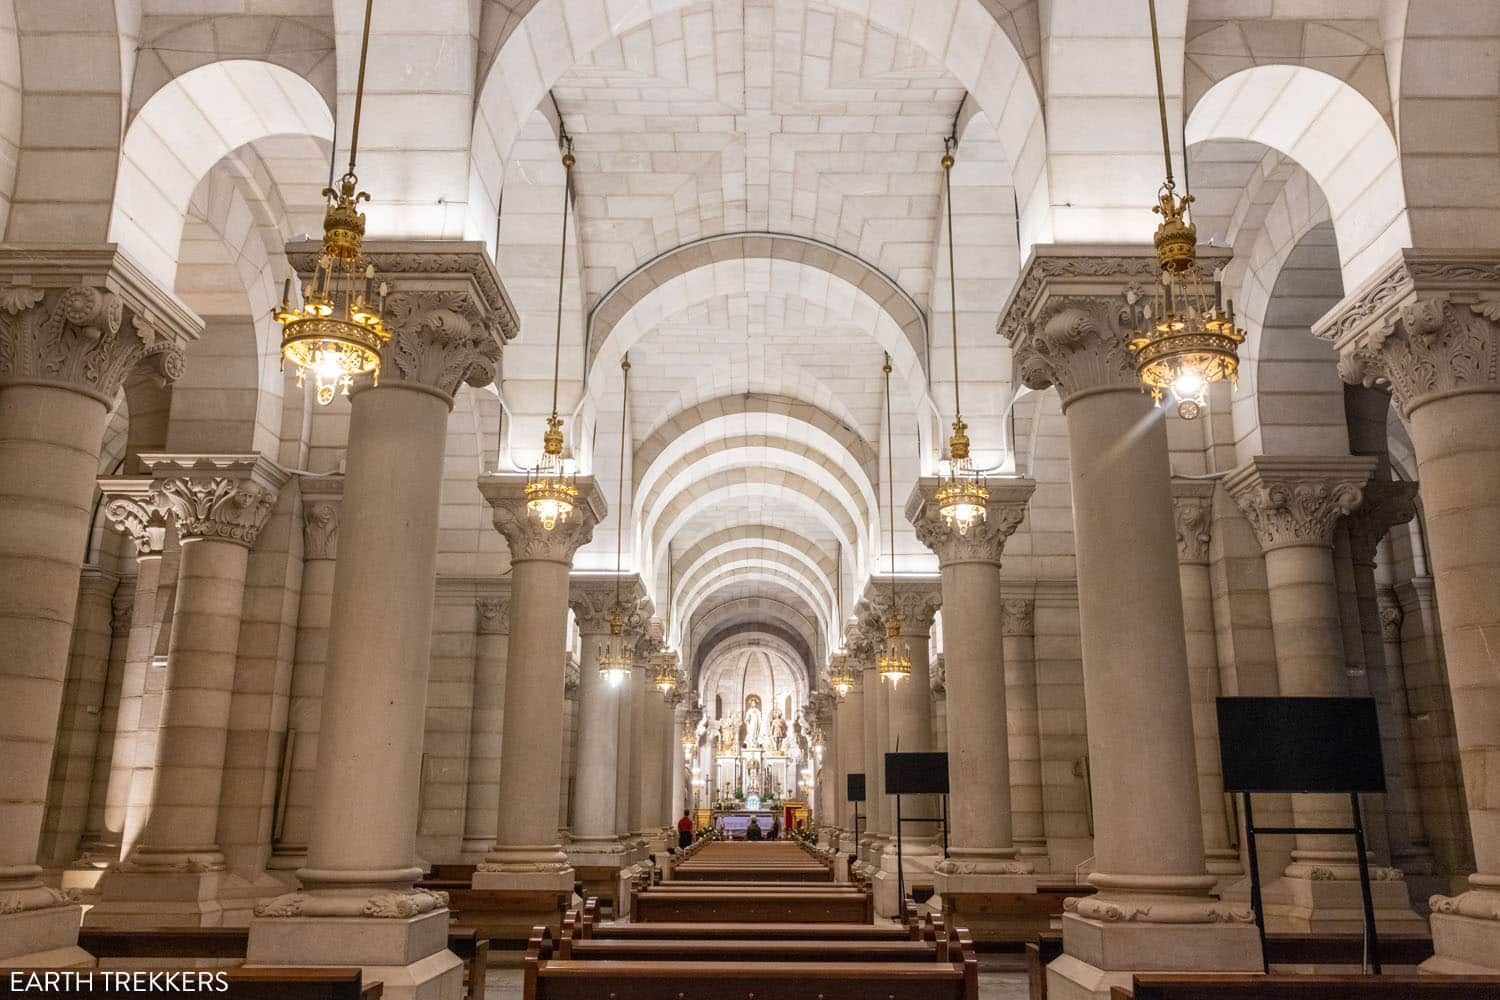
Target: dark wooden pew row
(585, 925)
(753, 906)
(1295, 987)
(230, 943)
(548, 976)
(239, 984)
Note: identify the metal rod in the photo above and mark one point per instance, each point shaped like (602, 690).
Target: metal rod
(1161, 94)
(1372, 938)
(562, 270)
(1257, 905)
(359, 87)
(952, 274)
(620, 487)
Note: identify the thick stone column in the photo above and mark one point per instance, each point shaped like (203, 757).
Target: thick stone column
(1068, 323)
(486, 723)
(1293, 504)
(1192, 505)
(73, 323)
(78, 729)
(358, 904)
(99, 848)
(1023, 722)
(596, 842)
(1428, 325)
(174, 874)
(527, 856)
(645, 762)
(873, 706)
(982, 853)
(851, 760)
(322, 501)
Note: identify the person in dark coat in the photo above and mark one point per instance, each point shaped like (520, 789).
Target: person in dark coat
(754, 833)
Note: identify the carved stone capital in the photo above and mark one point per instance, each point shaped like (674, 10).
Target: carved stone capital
(937, 677)
(82, 317)
(122, 608)
(572, 676)
(130, 505)
(225, 498)
(592, 599)
(1391, 616)
(1018, 617)
(982, 543)
(1387, 504)
(528, 540)
(1192, 511)
(492, 615)
(917, 602)
(1293, 501)
(1426, 326)
(322, 502)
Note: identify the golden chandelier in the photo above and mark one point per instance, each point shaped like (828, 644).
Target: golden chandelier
(338, 330)
(615, 657)
(841, 674)
(894, 661)
(1186, 337)
(551, 491)
(666, 674)
(689, 740)
(963, 499)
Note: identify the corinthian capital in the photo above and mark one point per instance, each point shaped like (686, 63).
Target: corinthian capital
(1295, 501)
(322, 502)
(916, 602)
(130, 506)
(592, 599)
(1018, 617)
(983, 543)
(1387, 504)
(524, 534)
(1427, 326)
(1192, 510)
(225, 498)
(82, 318)
(493, 615)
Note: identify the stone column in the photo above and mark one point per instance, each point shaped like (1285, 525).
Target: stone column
(982, 854)
(1428, 325)
(527, 857)
(646, 763)
(1023, 722)
(1192, 505)
(130, 507)
(486, 723)
(175, 872)
(679, 797)
(358, 904)
(625, 700)
(73, 323)
(78, 728)
(98, 847)
(851, 760)
(872, 841)
(1068, 323)
(596, 840)
(1294, 504)
(322, 500)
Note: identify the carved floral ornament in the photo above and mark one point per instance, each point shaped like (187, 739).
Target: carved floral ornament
(1296, 511)
(1077, 343)
(492, 615)
(1018, 617)
(80, 337)
(442, 340)
(1193, 517)
(222, 508)
(141, 518)
(528, 540)
(984, 542)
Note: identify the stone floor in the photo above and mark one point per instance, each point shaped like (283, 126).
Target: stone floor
(1000, 977)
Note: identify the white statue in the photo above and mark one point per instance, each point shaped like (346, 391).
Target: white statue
(778, 728)
(753, 729)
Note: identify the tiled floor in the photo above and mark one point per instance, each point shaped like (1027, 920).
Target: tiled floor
(1000, 977)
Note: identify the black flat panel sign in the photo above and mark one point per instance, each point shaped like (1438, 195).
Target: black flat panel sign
(916, 774)
(856, 788)
(1300, 745)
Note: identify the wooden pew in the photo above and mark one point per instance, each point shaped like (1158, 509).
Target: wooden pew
(1283, 987)
(549, 977)
(820, 904)
(584, 925)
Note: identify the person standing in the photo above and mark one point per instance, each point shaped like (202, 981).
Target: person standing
(684, 831)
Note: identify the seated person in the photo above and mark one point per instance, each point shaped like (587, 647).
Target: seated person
(754, 833)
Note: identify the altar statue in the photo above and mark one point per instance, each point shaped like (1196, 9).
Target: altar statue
(754, 732)
(778, 729)
(729, 733)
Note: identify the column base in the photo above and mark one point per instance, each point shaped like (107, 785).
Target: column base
(43, 935)
(995, 900)
(506, 902)
(1465, 934)
(407, 952)
(1317, 904)
(1099, 954)
(918, 858)
(1034, 853)
(130, 898)
(596, 867)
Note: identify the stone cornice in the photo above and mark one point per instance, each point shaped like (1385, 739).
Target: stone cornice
(1292, 501)
(1192, 510)
(225, 498)
(1427, 325)
(983, 543)
(506, 495)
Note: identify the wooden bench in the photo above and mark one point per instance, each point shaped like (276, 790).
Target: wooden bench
(585, 925)
(550, 977)
(242, 984)
(1282, 987)
(753, 906)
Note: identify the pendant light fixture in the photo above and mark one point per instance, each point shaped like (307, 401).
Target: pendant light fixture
(551, 491)
(338, 330)
(1186, 338)
(615, 655)
(894, 662)
(840, 674)
(666, 674)
(963, 499)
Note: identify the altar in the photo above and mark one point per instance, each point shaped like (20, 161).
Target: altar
(733, 825)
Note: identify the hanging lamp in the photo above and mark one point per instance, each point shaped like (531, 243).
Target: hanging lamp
(894, 662)
(616, 659)
(339, 329)
(689, 740)
(963, 499)
(551, 491)
(841, 674)
(666, 674)
(1186, 337)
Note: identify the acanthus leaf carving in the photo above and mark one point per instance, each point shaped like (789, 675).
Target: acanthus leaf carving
(1077, 343)
(222, 508)
(440, 339)
(1018, 616)
(75, 336)
(493, 615)
(141, 518)
(1297, 510)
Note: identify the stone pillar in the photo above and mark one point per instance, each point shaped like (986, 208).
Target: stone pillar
(850, 746)
(174, 874)
(358, 904)
(486, 724)
(322, 500)
(982, 854)
(1428, 325)
(596, 841)
(626, 696)
(78, 728)
(1192, 505)
(99, 847)
(1068, 323)
(527, 857)
(872, 841)
(73, 324)
(1023, 723)
(1294, 504)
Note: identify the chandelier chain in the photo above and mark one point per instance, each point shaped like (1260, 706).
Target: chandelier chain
(1161, 96)
(359, 86)
(562, 266)
(620, 487)
(948, 147)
